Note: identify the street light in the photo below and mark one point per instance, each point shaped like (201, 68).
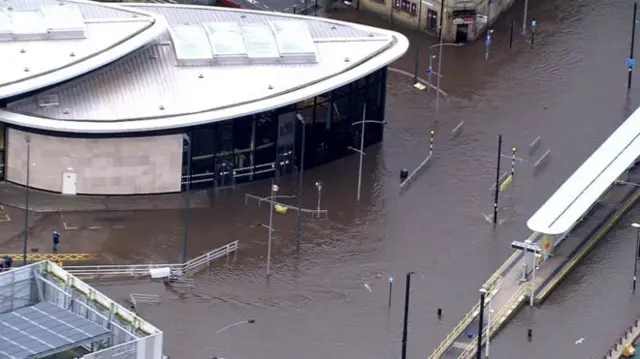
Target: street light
(361, 150)
(248, 321)
(274, 190)
(300, 175)
(483, 293)
(524, 20)
(187, 200)
(319, 188)
(439, 73)
(407, 295)
(27, 140)
(636, 254)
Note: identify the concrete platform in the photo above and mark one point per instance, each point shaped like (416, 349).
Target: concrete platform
(507, 289)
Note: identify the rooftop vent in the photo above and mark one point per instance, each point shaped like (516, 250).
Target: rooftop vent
(191, 45)
(48, 100)
(294, 40)
(63, 21)
(227, 42)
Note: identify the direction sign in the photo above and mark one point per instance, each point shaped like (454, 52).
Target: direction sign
(631, 63)
(525, 246)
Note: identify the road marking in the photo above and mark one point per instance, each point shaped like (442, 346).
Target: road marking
(64, 224)
(54, 256)
(95, 227)
(4, 217)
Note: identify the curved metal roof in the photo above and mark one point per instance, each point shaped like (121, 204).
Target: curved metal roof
(149, 90)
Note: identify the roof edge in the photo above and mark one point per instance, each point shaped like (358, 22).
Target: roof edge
(157, 27)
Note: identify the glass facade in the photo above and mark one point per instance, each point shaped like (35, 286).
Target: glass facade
(269, 144)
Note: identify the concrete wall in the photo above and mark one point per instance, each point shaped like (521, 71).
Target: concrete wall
(137, 165)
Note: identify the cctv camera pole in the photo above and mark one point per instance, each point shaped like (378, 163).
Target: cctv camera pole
(406, 315)
(633, 39)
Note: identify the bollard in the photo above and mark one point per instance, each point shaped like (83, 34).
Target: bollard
(439, 313)
(431, 133)
(529, 334)
(404, 173)
(533, 147)
(457, 130)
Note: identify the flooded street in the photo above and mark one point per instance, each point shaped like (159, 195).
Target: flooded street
(569, 89)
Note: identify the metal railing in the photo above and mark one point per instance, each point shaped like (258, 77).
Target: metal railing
(140, 270)
(503, 314)
(458, 329)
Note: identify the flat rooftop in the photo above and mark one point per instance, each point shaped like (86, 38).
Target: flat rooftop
(44, 311)
(210, 65)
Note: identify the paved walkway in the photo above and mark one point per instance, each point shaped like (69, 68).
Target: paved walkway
(12, 195)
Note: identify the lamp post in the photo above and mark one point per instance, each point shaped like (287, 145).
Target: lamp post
(319, 188)
(300, 176)
(361, 150)
(187, 200)
(524, 20)
(248, 321)
(439, 73)
(274, 190)
(636, 254)
(27, 140)
(407, 295)
(483, 293)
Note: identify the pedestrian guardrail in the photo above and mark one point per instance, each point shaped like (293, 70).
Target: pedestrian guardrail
(139, 298)
(142, 270)
(464, 323)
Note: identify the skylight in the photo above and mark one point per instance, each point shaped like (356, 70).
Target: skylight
(63, 21)
(6, 27)
(226, 42)
(261, 44)
(191, 45)
(28, 25)
(294, 40)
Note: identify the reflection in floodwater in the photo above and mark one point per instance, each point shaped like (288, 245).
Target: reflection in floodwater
(569, 89)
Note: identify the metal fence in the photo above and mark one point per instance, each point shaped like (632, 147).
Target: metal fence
(141, 270)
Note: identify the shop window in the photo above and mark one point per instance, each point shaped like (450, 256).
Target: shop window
(408, 6)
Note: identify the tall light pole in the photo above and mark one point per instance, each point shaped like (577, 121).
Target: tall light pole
(636, 254)
(319, 188)
(630, 61)
(300, 175)
(248, 321)
(418, 43)
(27, 140)
(187, 200)
(483, 293)
(405, 325)
(439, 73)
(524, 19)
(361, 150)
